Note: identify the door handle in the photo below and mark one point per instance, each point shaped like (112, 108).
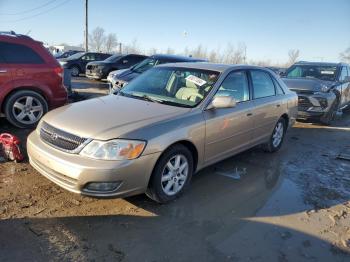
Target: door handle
(249, 114)
(3, 71)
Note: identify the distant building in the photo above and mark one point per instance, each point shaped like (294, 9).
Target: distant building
(57, 49)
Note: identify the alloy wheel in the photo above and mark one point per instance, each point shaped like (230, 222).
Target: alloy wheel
(278, 134)
(27, 110)
(174, 175)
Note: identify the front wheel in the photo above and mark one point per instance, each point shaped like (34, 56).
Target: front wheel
(171, 175)
(277, 136)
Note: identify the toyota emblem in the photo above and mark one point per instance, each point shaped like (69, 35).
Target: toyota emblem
(54, 136)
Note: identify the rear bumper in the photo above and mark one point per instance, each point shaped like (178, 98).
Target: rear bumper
(74, 172)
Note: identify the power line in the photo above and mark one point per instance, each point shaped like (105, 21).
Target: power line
(32, 16)
(30, 10)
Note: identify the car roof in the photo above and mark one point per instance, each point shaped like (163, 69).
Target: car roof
(319, 63)
(176, 57)
(212, 66)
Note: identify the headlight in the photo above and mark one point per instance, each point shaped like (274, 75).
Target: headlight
(324, 88)
(62, 63)
(117, 149)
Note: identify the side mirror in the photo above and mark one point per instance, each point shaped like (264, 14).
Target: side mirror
(222, 102)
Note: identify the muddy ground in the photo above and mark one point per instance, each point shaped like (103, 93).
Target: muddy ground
(293, 205)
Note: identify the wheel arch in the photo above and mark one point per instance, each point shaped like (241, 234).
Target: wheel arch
(24, 88)
(189, 145)
(286, 119)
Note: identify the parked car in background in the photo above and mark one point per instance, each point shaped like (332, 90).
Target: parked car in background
(121, 78)
(100, 69)
(67, 54)
(30, 80)
(322, 88)
(162, 127)
(77, 62)
(280, 71)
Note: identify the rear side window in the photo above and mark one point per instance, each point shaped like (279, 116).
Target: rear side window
(279, 89)
(19, 54)
(262, 84)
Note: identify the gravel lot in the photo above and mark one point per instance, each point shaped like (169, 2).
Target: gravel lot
(293, 205)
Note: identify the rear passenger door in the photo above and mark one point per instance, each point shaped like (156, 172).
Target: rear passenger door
(267, 105)
(5, 72)
(230, 130)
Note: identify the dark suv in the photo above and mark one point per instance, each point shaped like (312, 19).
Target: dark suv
(77, 62)
(30, 80)
(322, 88)
(121, 78)
(101, 69)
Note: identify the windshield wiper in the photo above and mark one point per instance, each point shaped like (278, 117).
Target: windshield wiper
(151, 99)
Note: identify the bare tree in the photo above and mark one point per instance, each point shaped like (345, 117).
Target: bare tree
(97, 39)
(111, 42)
(234, 55)
(293, 55)
(133, 47)
(170, 51)
(152, 51)
(345, 56)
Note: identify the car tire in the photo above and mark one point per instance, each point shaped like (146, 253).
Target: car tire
(25, 108)
(75, 71)
(276, 139)
(171, 175)
(327, 118)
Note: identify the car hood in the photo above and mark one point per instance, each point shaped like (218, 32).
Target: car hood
(117, 72)
(306, 84)
(127, 75)
(110, 116)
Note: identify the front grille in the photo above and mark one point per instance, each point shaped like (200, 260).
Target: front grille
(59, 138)
(303, 103)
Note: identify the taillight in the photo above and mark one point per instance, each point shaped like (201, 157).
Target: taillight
(59, 71)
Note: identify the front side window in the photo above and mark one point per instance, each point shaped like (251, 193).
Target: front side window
(327, 73)
(262, 84)
(19, 54)
(183, 87)
(89, 57)
(236, 86)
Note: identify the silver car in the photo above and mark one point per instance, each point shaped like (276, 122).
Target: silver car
(161, 128)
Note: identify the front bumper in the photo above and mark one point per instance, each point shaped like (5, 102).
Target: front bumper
(93, 74)
(74, 172)
(314, 105)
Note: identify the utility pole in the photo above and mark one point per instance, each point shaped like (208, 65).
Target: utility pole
(86, 27)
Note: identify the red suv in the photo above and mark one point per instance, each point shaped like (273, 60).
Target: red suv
(30, 80)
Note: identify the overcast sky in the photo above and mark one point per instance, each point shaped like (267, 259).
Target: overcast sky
(320, 29)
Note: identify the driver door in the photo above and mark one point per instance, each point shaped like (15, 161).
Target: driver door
(230, 130)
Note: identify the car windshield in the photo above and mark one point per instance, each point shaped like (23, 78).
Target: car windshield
(76, 56)
(113, 58)
(145, 65)
(313, 71)
(183, 87)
